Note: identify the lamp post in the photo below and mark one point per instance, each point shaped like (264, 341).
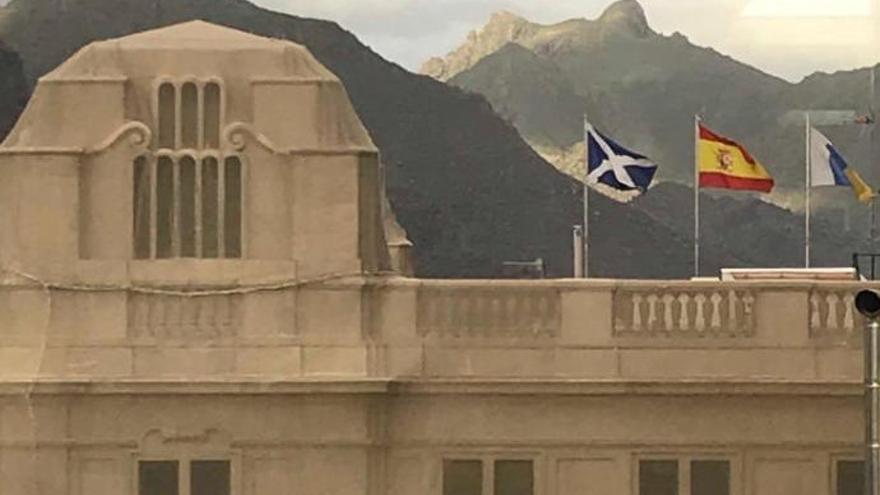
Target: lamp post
(868, 304)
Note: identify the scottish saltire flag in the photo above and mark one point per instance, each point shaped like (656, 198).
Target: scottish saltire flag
(829, 168)
(614, 170)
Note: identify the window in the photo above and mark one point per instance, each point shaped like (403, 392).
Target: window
(503, 476)
(850, 477)
(196, 477)
(684, 477)
(462, 477)
(187, 194)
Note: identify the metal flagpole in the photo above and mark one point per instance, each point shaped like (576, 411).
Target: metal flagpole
(872, 406)
(808, 187)
(696, 195)
(586, 261)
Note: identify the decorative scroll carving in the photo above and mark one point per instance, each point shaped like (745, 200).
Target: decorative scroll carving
(139, 137)
(236, 136)
(465, 312)
(833, 315)
(162, 317)
(684, 312)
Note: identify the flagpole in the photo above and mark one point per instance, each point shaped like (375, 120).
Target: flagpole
(808, 182)
(696, 195)
(586, 261)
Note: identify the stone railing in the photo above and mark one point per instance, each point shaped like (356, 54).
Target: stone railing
(518, 312)
(832, 315)
(684, 312)
(164, 317)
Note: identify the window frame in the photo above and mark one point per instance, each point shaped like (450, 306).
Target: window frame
(177, 83)
(184, 459)
(488, 459)
(151, 161)
(203, 148)
(684, 459)
(833, 459)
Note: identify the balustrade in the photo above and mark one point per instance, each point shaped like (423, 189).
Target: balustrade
(684, 312)
(461, 312)
(169, 317)
(833, 315)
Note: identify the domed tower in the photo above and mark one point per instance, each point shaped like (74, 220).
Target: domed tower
(192, 149)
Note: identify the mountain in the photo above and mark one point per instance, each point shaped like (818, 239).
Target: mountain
(13, 90)
(469, 191)
(644, 88)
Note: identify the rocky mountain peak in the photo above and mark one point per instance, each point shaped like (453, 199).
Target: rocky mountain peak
(626, 17)
(505, 18)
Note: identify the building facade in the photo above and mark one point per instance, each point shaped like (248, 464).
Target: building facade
(204, 292)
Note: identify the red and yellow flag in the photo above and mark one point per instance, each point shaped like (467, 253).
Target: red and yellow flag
(725, 164)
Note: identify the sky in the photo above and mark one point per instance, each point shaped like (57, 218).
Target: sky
(787, 38)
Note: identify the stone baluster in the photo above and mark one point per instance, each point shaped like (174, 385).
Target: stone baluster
(699, 315)
(831, 321)
(652, 311)
(715, 315)
(848, 314)
(636, 313)
(683, 317)
(668, 299)
(815, 312)
(748, 305)
(732, 316)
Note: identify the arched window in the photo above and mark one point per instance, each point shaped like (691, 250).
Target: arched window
(187, 194)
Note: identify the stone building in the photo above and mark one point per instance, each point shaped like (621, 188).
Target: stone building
(204, 292)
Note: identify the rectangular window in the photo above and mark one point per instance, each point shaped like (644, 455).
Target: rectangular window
(710, 478)
(158, 478)
(850, 477)
(514, 477)
(206, 477)
(462, 477)
(192, 209)
(209, 478)
(658, 477)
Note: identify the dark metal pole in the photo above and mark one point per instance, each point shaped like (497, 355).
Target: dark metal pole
(872, 407)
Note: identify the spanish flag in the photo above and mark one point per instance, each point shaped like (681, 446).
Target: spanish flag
(725, 164)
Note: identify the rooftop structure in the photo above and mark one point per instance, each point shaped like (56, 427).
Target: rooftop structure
(203, 293)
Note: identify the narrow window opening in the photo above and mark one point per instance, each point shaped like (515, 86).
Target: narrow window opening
(658, 477)
(850, 477)
(514, 477)
(141, 208)
(187, 225)
(158, 478)
(710, 478)
(210, 183)
(164, 207)
(232, 208)
(189, 120)
(212, 115)
(462, 477)
(209, 478)
(167, 116)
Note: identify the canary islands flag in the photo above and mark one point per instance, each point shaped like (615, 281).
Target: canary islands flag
(726, 164)
(829, 168)
(614, 170)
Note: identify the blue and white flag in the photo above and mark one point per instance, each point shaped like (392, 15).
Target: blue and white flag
(829, 168)
(614, 170)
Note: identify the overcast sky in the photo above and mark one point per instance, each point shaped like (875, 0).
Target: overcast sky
(789, 38)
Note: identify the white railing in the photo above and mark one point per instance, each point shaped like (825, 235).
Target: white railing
(684, 312)
(832, 315)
